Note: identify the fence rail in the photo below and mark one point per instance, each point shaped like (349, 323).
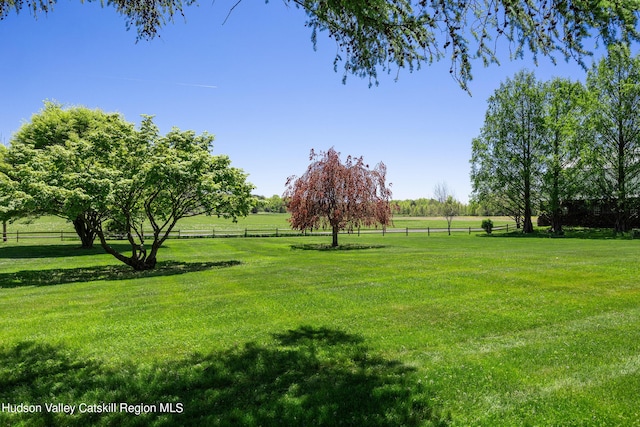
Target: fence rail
(251, 232)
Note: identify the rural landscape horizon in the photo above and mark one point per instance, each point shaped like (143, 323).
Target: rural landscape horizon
(309, 213)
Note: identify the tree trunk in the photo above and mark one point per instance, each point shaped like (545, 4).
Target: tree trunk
(135, 262)
(140, 259)
(527, 226)
(138, 264)
(556, 221)
(142, 265)
(4, 231)
(621, 202)
(86, 234)
(621, 215)
(556, 210)
(334, 232)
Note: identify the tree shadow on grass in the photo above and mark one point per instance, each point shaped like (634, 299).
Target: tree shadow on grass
(307, 335)
(308, 376)
(54, 251)
(323, 247)
(60, 276)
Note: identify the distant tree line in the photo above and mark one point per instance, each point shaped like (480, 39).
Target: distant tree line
(273, 204)
(558, 145)
(425, 207)
(408, 207)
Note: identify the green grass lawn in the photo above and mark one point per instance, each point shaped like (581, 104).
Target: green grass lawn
(398, 330)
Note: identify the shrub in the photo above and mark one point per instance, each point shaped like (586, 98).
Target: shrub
(487, 225)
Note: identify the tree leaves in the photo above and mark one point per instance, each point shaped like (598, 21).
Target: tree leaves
(338, 195)
(507, 158)
(581, 143)
(91, 166)
(613, 158)
(383, 35)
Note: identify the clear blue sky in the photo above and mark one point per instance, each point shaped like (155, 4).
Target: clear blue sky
(256, 84)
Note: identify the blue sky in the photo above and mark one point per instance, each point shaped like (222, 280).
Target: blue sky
(257, 84)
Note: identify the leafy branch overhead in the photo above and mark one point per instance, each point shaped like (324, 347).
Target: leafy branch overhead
(387, 35)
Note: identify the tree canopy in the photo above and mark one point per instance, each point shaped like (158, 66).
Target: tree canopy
(338, 195)
(52, 159)
(378, 35)
(506, 157)
(613, 157)
(558, 144)
(564, 116)
(121, 180)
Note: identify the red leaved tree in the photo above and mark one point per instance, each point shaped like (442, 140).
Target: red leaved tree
(338, 195)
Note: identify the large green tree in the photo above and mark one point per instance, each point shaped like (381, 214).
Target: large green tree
(155, 181)
(613, 169)
(115, 178)
(564, 117)
(52, 166)
(507, 157)
(384, 34)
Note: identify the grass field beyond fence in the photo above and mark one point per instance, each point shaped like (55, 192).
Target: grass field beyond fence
(397, 330)
(255, 225)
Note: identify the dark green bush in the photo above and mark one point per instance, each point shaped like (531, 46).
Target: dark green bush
(487, 225)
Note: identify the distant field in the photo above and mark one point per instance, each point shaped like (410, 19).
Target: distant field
(257, 221)
(439, 222)
(393, 330)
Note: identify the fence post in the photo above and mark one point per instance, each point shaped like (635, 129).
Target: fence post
(507, 228)
(407, 231)
(213, 233)
(469, 230)
(17, 235)
(276, 231)
(428, 232)
(245, 232)
(178, 234)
